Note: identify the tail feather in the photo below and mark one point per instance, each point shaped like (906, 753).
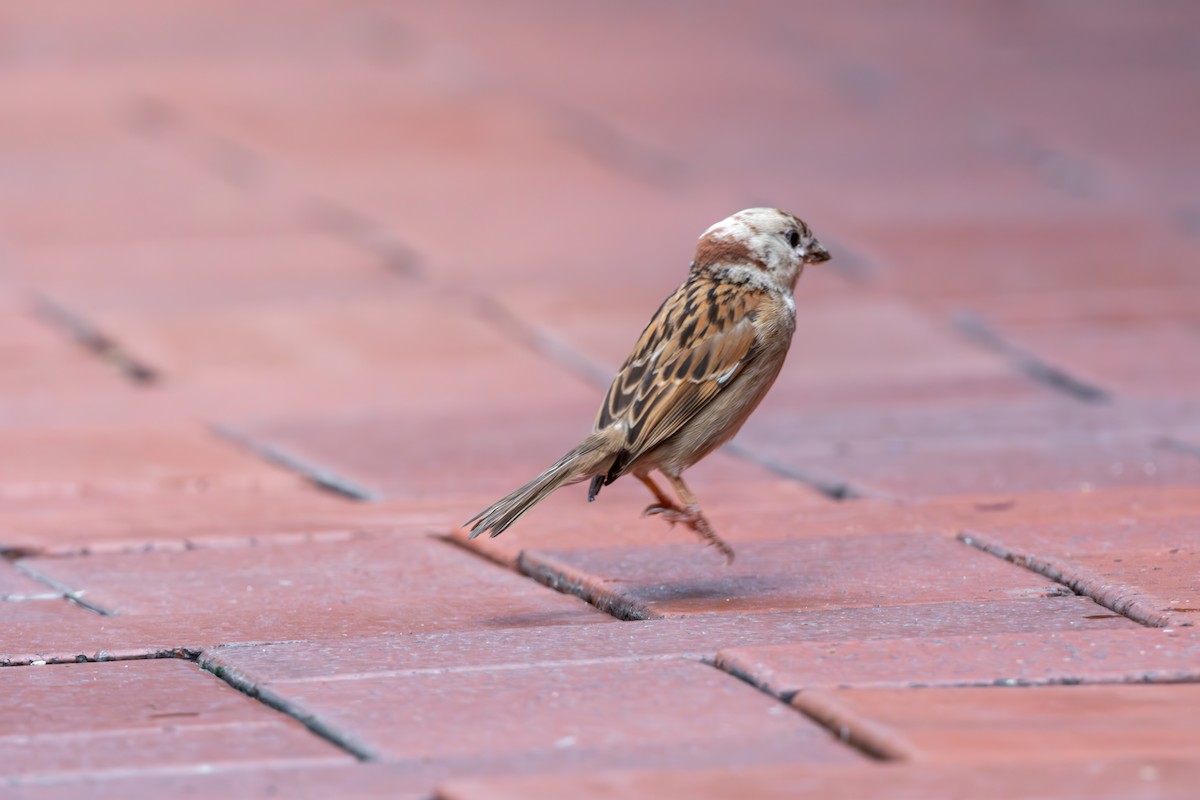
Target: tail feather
(593, 455)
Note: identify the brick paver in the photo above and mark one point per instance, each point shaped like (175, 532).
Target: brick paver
(185, 601)
(289, 290)
(1150, 780)
(157, 716)
(560, 716)
(776, 575)
(1037, 657)
(1003, 724)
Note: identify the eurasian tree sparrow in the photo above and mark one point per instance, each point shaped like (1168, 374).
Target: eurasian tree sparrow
(700, 368)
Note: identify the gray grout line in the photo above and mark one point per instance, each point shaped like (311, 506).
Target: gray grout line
(137, 546)
(974, 328)
(236, 680)
(864, 745)
(866, 736)
(245, 168)
(1068, 172)
(516, 329)
(875, 744)
(1078, 580)
(324, 478)
(67, 593)
(1138, 677)
(233, 162)
(548, 578)
(92, 338)
(358, 230)
(103, 657)
(564, 584)
(598, 139)
(833, 487)
(479, 552)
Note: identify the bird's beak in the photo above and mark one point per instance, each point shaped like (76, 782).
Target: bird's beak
(813, 252)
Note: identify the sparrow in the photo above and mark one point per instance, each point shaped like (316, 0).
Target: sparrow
(702, 365)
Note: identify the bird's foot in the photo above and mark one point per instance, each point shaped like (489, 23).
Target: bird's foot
(694, 519)
(671, 514)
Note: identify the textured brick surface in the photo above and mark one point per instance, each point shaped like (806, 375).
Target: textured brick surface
(816, 573)
(354, 781)
(70, 461)
(323, 577)
(989, 725)
(570, 716)
(1064, 255)
(40, 366)
(72, 719)
(335, 590)
(1143, 358)
(1044, 657)
(685, 637)
(197, 516)
(164, 276)
(16, 585)
(774, 511)
(1144, 568)
(1143, 780)
(915, 468)
(290, 290)
(972, 421)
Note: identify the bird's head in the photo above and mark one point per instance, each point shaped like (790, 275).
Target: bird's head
(759, 245)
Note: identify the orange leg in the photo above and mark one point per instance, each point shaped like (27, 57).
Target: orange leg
(664, 503)
(689, 514)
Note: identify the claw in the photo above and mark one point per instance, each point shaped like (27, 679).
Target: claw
(670, 514)
(694, 519)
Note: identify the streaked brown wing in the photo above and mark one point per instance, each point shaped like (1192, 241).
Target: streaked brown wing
(699, 340)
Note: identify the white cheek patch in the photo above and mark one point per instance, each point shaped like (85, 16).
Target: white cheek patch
(790, 302)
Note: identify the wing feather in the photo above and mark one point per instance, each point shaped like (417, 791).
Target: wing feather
(699, 340)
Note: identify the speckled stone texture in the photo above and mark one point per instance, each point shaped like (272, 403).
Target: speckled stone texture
(289, 290)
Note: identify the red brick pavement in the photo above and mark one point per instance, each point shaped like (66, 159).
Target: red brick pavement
(290, 289)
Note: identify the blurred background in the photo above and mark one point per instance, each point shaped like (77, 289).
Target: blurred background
(397, 249)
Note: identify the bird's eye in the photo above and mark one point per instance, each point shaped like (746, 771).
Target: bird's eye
(793, 238)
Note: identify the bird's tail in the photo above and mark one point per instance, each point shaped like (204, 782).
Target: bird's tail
(592, 456)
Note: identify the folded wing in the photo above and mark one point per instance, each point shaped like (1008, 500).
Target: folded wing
(697, 343)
